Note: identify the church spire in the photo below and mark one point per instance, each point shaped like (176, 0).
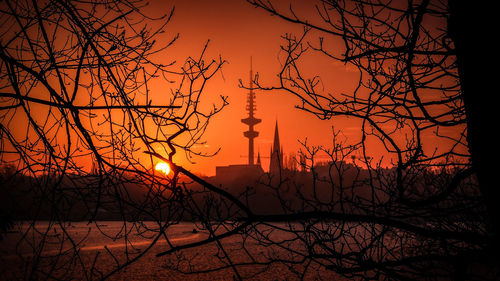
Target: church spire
(276, 143)
(276, 164)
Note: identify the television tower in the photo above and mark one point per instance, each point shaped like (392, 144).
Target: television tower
(251, 120)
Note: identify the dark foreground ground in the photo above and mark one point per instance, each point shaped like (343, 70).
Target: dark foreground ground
(97, 256)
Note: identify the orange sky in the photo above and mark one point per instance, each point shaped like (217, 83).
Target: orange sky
(237, 31)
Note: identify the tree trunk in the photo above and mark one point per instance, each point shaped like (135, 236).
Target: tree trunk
(467, 29)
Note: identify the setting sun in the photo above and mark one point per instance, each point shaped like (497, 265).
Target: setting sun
(163, 167)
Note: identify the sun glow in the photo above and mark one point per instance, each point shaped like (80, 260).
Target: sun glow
(163, 167)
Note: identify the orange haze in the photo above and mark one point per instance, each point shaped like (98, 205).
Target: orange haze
(237, 32)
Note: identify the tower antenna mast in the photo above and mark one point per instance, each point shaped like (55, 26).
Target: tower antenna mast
(251, 121)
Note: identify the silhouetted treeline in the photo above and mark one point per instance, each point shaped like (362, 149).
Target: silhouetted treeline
(43, 197)
(28, 198)
(325, 188)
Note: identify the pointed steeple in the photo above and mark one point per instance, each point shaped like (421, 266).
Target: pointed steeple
(276, 164)
(276, 143)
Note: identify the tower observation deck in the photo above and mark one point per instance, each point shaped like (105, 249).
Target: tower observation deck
(251, 121)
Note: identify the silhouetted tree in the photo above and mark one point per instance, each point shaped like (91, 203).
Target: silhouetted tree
(78, 75)
(77, 114)
(432, 214)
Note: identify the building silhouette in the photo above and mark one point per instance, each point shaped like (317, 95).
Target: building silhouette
(251, 169)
